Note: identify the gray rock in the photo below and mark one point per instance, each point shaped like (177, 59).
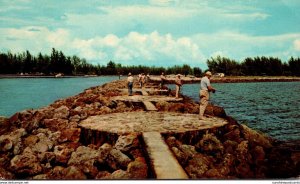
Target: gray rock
(116, 159)
(61, 112)
(40, 177)
(104, 151)
(188, 150)
(85, 158)
(12, 141)
(127, 142)
(62, 154)
(44, 144)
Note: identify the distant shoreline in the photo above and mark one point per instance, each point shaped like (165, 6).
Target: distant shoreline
(244, 79)
(44, 76)
(171, 78)
(230, 79)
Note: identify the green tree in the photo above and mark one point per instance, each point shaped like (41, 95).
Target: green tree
(294, 66)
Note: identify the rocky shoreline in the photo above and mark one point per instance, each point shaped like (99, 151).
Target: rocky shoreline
(48, 143)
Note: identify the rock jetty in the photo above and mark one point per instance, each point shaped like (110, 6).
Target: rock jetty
(59, 141)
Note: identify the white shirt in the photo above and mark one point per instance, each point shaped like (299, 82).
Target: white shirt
(130, 79)
(204, 83)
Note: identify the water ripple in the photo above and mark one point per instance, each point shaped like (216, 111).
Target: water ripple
(271, 107)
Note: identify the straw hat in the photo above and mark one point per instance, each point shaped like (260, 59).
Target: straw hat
(208, 73)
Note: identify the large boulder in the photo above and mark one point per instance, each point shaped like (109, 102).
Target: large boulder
(215, 111)
(73, 173)
(56, 124)
(104, 151)
(26, 164)
(71, 134)
(242, 152)
(181, 157)
(61, 112)
(43, 144)
(116, 159)
(103, 174)
(128, 142)
(85, 158)
(4, 125)
(118, 175)
(62, 154)
(5, 175)
(69, 173)
(210, 144)
(256, 138)
(13, 141)
(198, 166)
(138, 169)
(188, 150)
(162, 105)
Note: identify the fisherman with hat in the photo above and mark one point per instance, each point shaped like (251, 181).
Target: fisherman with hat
(205, 88)
(130, 84)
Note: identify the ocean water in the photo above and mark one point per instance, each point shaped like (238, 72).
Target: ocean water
(17, 94)
(270, 107)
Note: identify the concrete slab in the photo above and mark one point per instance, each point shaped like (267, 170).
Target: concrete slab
(151, 121)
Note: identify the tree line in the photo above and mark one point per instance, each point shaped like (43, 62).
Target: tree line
(257, 66)
(58, 62)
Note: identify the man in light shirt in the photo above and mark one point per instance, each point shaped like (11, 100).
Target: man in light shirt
(130, 84)
(205, 88)
(178, 83)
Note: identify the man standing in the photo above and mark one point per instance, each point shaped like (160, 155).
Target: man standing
(178, 85)
(130, 84)
(205, 88)
(162, 80)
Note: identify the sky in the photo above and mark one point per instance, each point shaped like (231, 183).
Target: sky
(152, 32)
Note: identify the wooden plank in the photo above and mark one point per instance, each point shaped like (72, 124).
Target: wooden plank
(146, 89)
(151, 98)
(149, 106)
(162, 160)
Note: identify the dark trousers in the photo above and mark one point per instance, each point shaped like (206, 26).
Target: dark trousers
(130, 85)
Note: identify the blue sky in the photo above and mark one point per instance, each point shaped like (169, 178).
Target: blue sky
(153, 32)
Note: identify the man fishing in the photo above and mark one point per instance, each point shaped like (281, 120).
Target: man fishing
(205, 88)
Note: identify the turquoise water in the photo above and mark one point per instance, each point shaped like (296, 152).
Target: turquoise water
(17, 94)
(271, 107)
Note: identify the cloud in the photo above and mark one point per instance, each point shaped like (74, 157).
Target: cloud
(238, 45)
(151, 48)
(162, 2)
(135, 48)
(297, 45)
(131, 49)
(33, 38)
(245, 16)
